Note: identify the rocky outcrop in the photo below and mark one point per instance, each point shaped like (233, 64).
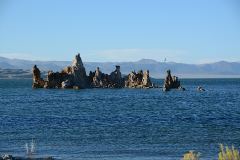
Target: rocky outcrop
(74, 76)
(138, 80)
(38, 82)
(116, 80)
(146, 82)
(71, 76)
(54, 80)
(98, 79)
(102, 80)
(79, 73)
(66, 84)
(171, 82)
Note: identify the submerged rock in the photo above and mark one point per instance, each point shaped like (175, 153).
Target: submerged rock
(7, 157)
(201, 89)
(181, 88)
(10, 157)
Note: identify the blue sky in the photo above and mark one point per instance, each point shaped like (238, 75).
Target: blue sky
(189, 31)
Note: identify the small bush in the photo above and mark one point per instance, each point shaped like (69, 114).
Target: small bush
(228, 153)
(191, 155)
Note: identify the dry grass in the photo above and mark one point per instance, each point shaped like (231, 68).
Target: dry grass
(228, 153)
(191, 155)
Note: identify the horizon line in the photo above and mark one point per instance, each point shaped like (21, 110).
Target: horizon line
(141, 59)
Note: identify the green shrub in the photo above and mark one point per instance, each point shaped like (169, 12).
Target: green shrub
(228, 153)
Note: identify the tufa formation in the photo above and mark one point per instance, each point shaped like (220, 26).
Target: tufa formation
(75, 76)
(171, 82)
(138, 80)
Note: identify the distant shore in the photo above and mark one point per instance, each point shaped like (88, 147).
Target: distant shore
(27, 74)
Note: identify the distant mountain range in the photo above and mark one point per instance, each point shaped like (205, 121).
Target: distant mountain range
(17, 68)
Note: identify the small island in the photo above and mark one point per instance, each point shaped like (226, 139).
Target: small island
(75, 77)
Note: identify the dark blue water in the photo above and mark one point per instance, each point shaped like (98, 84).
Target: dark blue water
(120, 124)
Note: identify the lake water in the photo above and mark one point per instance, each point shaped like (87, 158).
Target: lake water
(120, 124)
